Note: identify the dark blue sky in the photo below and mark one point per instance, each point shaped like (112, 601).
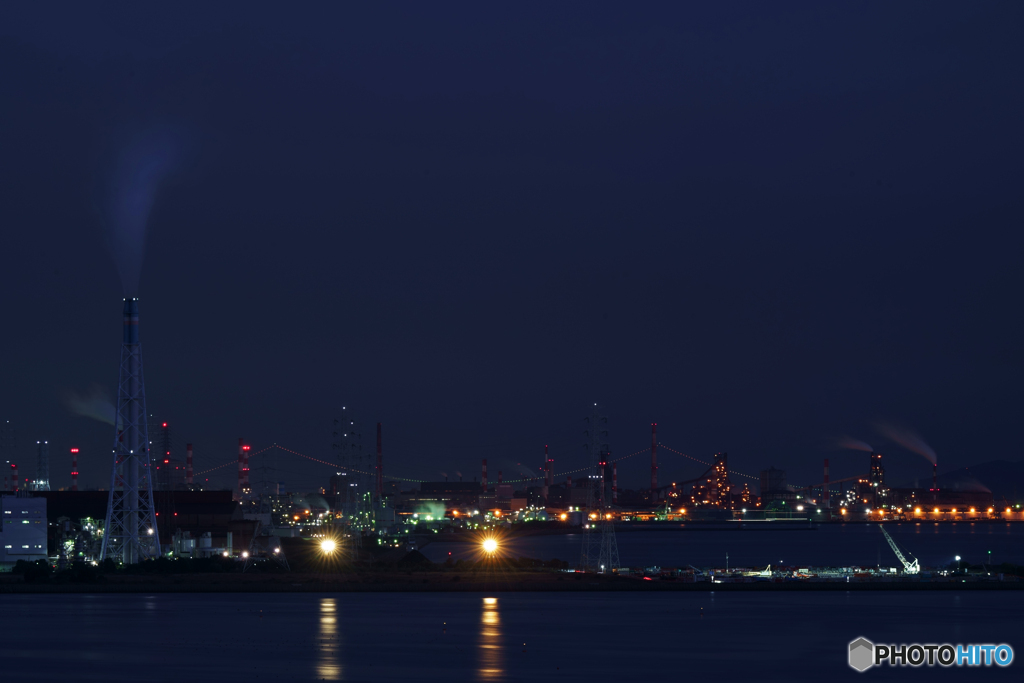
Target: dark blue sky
(761, 225)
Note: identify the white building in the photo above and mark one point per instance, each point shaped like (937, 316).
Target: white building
(22, 530)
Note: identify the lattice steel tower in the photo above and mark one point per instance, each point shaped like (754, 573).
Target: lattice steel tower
(600, 551)
(130, 534)
(358, 480)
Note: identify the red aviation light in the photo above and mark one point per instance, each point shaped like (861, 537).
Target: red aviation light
(245, 448)
(165, 425)
(74, 450)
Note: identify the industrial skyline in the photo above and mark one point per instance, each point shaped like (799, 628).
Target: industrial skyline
(471, 290)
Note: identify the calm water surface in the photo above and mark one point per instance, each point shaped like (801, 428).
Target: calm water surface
(478, 637)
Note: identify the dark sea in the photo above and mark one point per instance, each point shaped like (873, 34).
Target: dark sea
(720, 636)
(501, 637)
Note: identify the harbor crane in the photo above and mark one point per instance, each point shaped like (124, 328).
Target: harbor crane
(908, 567)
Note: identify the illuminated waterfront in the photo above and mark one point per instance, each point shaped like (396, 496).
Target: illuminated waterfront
(758, 545)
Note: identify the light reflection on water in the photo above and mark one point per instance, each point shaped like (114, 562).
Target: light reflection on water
(491, 660)
(435, 637)
(328, 664)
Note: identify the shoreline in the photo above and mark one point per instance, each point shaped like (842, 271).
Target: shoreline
(444, 583)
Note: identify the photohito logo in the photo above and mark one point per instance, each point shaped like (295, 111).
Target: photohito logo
(864, 654)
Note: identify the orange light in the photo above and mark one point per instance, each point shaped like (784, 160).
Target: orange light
(936, 510)
(954, 511)
(917, 511)
(990, 511)
(1008, 511)
(455, 513)
(608, 516)
(296, 517)
(682, 511)
(563, 516)
(972, 510)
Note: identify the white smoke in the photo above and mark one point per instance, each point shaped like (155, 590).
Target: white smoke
(95, 404)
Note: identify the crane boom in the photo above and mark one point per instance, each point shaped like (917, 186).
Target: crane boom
(908, 567)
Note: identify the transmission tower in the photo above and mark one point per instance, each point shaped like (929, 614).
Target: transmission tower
(600, 552)
(358, 479)
(130, 534)
(265, 545)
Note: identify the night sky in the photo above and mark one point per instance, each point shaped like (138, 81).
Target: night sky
(762, 226)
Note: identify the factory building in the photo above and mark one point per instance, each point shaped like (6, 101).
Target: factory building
(22, 530)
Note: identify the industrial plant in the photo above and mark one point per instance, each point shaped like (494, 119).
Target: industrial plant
(155, 508)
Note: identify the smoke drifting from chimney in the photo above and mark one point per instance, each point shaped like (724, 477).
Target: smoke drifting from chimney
(908, 439)
(850, 443)
(95, 404)
(141, 161)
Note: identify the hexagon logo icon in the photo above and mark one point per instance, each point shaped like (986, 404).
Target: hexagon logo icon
(862, 654)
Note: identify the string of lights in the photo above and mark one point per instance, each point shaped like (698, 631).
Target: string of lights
(731, 471)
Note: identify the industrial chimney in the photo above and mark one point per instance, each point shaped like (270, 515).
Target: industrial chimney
(654, 458)
(130, 529)
(484, 476)
(74, 469)
(188, 464)
(241, 466)
(380, 466)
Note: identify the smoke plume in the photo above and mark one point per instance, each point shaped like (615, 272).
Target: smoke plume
(850, 443)
(140, 164)
(95, 404)
(908, 439)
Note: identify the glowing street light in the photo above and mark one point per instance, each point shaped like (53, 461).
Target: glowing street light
(328, 546)
(490, 545)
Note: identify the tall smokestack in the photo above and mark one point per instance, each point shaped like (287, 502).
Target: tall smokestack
(130, 532)
(15, 484)
(824, 491)
(654, 457)
(484, 476)
(42, 482)
(615, 483)
(245, 469)
(380, 466)
(499, 476)
(188, 464)
(241, 464)
(74, 469)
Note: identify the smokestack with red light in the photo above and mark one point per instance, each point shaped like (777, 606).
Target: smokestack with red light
(74, 469)
(188, 464)
(241, 460)
(654, 457)
(380, 465)
(499, 476)
(14, 478)
(615, 483)
(245, 468)
(484, 475)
